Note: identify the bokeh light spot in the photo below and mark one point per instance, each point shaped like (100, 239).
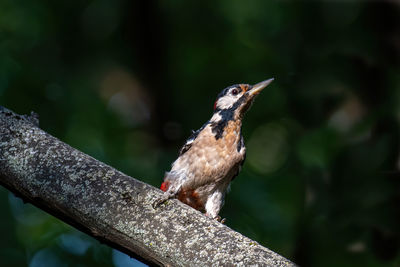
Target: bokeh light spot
(46, 257)
(268, 148)
(74, 244)
(122, 260)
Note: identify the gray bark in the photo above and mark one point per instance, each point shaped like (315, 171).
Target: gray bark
(113, 207)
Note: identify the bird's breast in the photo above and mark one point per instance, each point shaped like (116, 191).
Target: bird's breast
(212, 160)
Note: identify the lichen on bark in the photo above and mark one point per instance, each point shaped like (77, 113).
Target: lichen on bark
(113, 207)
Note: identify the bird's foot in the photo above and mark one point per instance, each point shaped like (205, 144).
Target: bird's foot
(158, 202)
(217, 218)
(220, 219)
(166, 196)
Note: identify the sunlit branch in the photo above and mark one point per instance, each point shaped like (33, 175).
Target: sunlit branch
(113, 207)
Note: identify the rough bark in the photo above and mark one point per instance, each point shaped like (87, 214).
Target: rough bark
(113, 207)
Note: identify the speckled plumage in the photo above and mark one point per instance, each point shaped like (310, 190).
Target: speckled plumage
(212, 156)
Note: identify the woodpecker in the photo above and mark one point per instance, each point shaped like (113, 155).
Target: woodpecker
(213, 155)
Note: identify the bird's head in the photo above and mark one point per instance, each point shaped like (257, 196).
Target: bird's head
(237, 99)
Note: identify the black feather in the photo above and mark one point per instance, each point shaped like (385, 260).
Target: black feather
(240, 144)
(218, 127)
(240, 166)
(192, 137)
(185, 148)
(226, 90)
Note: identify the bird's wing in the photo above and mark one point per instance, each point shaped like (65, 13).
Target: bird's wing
(239, 167)
(189, 141)
(240, 146)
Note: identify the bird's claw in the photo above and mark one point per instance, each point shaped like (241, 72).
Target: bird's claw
(220, 219)
(158, 202)
(217, 218)
(166, 196)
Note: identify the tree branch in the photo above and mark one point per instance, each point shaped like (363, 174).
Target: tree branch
(113, 207)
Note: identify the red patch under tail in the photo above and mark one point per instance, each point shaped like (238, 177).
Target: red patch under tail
(164, 186)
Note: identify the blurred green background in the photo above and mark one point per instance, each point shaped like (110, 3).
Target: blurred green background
(126, 81)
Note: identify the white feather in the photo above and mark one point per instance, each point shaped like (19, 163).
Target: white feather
(226, 101)
(216, 117)
(213, 204)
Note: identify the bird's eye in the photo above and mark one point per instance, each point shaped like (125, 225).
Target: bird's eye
(235, 92)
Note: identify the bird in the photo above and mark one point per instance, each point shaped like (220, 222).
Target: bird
(213, 155)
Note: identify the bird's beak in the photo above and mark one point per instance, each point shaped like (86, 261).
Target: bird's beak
(257, 88)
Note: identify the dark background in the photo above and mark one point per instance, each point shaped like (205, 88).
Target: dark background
(126, 81)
